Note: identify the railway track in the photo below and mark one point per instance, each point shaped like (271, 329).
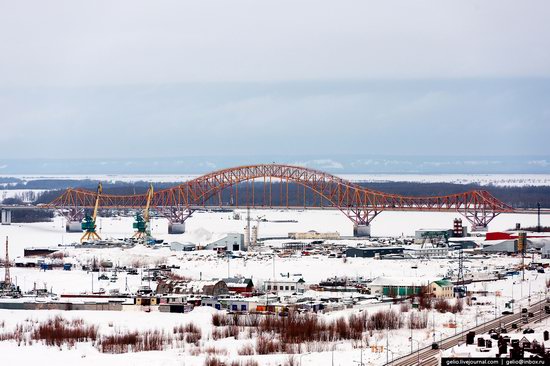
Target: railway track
(430, 357)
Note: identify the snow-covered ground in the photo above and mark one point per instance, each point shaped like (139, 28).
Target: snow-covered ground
(482, 179)
(204, 227)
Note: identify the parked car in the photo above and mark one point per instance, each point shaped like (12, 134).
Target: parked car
(507, 312)
(524, 310)
(435, 345)
(528, 331)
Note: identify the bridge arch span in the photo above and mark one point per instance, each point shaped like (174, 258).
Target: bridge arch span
(358, 203)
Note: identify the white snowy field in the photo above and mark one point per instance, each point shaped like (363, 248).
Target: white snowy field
(204, 227)
(345, 352)
(482, 179)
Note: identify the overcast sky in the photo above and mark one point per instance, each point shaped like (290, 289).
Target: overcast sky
(117, 79)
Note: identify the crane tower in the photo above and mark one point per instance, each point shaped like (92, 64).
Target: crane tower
(88, 225)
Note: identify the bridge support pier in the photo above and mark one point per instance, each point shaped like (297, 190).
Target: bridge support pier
(478, 228)
(176, 227)
(361, 230)
(73, 226)
(6, 217)
(176, 219)
(479, 219)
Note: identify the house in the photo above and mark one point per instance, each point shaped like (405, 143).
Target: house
(286, 284)
(239, 285)
(442, 289)
(209, 288)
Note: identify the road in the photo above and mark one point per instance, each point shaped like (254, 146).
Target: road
(430, 357)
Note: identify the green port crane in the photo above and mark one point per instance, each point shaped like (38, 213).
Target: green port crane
(88, 225)
(142, 221)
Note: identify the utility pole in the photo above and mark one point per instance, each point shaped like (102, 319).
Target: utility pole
(410, 324)
(433, 323)
(539, 228)
(248, 227)
(387, 343)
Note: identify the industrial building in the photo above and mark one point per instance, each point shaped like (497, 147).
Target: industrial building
(409, 286)
(427, 252)
(422, 234)
(462, 244)
(511, 246)
(182, 247)
(370, 252)
(231, 242)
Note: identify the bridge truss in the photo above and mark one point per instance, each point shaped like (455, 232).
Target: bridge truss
(283, 186)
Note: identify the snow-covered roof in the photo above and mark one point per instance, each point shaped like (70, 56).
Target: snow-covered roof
(403, 281)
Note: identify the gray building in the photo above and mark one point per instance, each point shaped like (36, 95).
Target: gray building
(182, 247)
(511, 246)
(232, 242)
(372, 251)
(433, 233)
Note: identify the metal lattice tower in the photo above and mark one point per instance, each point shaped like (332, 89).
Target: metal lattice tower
(460, 276)
(7, 278)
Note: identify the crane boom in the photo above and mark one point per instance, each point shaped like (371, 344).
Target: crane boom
(96, 207)
(149, 199)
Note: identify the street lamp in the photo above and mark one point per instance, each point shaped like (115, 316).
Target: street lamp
(417, 351)
(456, 323)
(390, 351)
(333, 347)
(440, 336)
(303, 354)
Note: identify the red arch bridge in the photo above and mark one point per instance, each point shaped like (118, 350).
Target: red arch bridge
(267, 186)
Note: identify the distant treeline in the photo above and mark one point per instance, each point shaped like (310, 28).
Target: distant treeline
(520, 197)
(31, 215)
